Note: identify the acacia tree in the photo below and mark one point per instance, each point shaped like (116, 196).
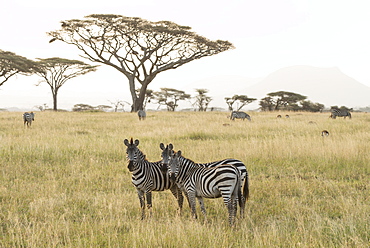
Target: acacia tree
(138, 48)
(57, 71)
(12, 64)
(241, 99)
(281, 100)
(202, 100)
(170, 97)
(149, 95)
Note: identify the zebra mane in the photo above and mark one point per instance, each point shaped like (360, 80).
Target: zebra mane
(185, 159)
(141, 154)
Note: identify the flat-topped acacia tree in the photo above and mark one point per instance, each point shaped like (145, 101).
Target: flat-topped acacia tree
(138, 48)
(57, 71)
(12, 64)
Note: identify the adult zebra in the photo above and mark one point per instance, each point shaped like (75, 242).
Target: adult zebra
(28, 118)
(239, 115)
(198, 182)
(147, 177)
(142, 115)
(167, 152)
(340, 113)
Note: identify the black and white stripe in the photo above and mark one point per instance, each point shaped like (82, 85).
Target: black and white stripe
(28, 118)
(340, 113)
(198, 182)
(167, 152)
(239, 115)
(141, 114)
(148, 176)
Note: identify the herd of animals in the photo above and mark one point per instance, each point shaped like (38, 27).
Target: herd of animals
(227, 178)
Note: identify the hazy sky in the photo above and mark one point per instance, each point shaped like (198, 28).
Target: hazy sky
(267, 34)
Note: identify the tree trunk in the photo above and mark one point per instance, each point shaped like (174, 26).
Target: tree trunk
(55, 108)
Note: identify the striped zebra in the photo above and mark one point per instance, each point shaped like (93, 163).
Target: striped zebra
(239, 115)
(147, 177)
(340, 113)
(167, 152)
(28, 118)
(215, 182)
(142, 115)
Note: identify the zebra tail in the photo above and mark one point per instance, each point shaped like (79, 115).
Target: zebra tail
(246, 188)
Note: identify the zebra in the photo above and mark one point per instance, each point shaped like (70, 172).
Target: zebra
(340, 113)
(239, 115)
(28, 118)
(167, 152)
(198, 182)
(142, 115)
(147, 177)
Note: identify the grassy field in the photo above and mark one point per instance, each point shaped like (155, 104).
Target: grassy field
(64, 182)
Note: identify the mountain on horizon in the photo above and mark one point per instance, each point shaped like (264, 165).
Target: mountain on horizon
(328, 86)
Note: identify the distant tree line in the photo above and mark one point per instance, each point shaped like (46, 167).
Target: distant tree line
(57, 71)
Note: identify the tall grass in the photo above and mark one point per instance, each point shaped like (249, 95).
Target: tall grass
(64, 182)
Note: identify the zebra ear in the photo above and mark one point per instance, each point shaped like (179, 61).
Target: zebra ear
(161, 145)
(136, 142)
(170, 146)
(178, 153)
(126, 142)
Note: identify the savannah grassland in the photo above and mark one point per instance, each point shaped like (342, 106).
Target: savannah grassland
(65, 183)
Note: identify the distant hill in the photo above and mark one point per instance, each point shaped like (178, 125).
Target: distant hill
(328, 86)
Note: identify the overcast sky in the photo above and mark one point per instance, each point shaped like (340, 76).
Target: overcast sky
(268, 35)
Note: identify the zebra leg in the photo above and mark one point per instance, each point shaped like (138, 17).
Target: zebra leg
(232, 209)
(142, 203)
(149, 202)
(192, 203)
(202, 207)
(178, 195)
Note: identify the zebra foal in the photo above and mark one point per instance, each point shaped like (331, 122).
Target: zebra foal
(28, 118)
(167, 152)
(240, 115)
(148, 176)
(198, 182)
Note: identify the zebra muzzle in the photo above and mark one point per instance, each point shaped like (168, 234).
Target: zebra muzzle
(164, 168)
(130, 165)
(172, 176)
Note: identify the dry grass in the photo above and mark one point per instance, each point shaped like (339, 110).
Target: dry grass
(64, 182)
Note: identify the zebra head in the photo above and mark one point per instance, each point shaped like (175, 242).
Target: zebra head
(167, 152)
(173, 166)
(132, 152)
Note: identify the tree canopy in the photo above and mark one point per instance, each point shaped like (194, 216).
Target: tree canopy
(138, 48)
(240, 99)
(281, 100)
(57, 71)
(202, 100)
(170, 97)
(12, 64)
